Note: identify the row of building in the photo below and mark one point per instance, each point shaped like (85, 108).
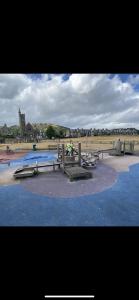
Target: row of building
(95, 132)
(30, 132)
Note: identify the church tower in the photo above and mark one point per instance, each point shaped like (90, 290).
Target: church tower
(22, 123)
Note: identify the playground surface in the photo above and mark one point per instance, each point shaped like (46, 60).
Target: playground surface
(110, 198)
(4, 157)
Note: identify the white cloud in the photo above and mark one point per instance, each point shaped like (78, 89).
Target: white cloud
(133, 79)
(85, 100)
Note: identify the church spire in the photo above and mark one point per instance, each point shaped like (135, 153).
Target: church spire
(21, 122)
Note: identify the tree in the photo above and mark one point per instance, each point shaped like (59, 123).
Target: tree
(61, 133)
(15, 131)
(50, 132)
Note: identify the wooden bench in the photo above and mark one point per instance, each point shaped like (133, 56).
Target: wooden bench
(52, 147)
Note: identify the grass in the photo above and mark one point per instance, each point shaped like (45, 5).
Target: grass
(90, 143)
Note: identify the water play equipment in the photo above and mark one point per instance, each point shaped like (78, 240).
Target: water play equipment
(70, 164)
(122, 147)
(129, 147)
(71, 161)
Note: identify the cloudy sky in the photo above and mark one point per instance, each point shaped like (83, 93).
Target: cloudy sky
(72, 100)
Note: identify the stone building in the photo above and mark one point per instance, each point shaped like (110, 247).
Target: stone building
(27, 131)
(4, 130)
(22, 123)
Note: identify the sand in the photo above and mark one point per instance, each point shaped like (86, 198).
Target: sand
(6, 176)
(120, 163)
(4, 157)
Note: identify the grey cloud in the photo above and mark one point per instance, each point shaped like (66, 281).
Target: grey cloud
(85, 100)
(12, 85)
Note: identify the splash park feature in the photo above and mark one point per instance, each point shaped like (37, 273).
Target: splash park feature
(69, 162)
(122, 148)
(49, 198)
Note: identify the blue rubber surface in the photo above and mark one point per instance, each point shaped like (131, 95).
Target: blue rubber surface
(116, 206)
(32, 157)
